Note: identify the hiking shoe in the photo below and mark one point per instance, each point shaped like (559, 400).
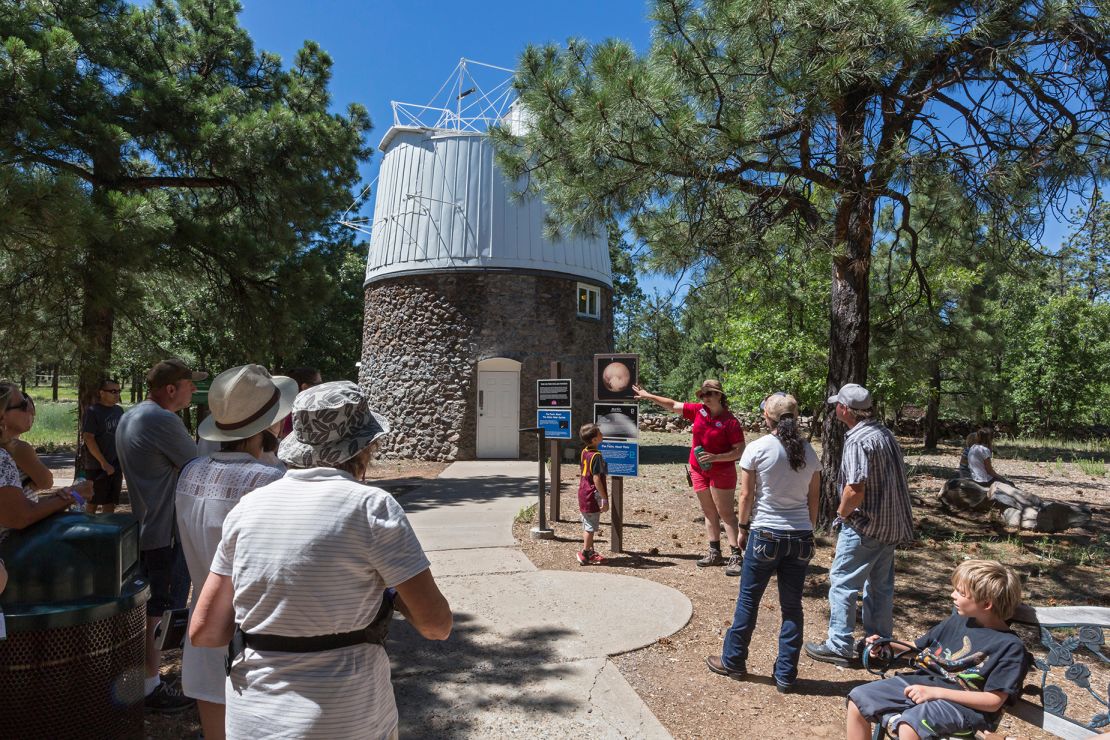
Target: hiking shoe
(583, 558)
(714, 664)
(595, 558)
(168, 700)
(822, 652)
(734, 565)
(712, 558)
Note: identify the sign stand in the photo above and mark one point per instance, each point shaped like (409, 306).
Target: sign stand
(542, 531)
(556, 462)
(616, 513)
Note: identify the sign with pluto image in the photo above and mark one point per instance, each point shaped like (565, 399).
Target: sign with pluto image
(614, 376)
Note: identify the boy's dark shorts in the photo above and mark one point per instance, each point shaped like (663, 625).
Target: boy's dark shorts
(935, 718)
(157, 564)
(106, 488)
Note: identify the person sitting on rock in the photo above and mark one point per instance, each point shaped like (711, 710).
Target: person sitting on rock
(979, 459)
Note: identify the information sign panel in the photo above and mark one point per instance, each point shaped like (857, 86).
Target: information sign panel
(622, 458)
(554, 422)
(553, 393)
(618, 420)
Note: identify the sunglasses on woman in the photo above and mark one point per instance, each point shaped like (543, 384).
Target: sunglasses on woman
(24, 405)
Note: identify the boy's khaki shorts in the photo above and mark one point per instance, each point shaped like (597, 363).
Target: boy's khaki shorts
(591, 521)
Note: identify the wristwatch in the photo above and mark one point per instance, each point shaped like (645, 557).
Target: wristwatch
(745, 527)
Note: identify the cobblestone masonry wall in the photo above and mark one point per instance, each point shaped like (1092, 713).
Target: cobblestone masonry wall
(424, 335)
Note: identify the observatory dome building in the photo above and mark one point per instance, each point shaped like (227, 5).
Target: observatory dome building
(467, 302)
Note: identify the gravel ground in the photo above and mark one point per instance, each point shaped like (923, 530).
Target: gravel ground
(663, 535)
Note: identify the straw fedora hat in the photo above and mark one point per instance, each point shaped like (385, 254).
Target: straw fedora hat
(244, 401)
(332, 422)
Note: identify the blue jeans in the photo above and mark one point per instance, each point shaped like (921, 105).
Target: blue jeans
(860, 562)
(769, 552)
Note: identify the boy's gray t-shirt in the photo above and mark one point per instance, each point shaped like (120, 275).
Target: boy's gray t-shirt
(153, 445)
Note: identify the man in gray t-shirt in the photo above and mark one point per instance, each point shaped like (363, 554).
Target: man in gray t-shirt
(153, 445)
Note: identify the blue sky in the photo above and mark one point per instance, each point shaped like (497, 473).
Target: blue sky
(385, 50)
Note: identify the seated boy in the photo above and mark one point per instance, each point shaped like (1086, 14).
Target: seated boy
(991, 661)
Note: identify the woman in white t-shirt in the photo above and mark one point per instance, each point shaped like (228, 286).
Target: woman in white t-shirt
(979, 459)
(779, 488)
(244, 402)
(303, 569)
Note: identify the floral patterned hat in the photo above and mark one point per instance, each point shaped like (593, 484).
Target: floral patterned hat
(332, 422)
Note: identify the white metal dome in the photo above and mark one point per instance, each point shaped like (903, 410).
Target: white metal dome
(443, 205)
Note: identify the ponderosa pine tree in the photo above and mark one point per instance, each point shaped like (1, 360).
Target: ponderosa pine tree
(746, 114)
(191, 152)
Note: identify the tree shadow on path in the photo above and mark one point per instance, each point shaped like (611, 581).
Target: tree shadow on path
(441, 687)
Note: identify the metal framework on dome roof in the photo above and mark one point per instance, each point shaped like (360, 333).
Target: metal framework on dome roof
(473, 97)
(488, 95)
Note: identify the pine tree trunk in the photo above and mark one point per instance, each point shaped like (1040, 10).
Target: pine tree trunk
(100, 280)
(849, 334)
(932, 413)
(54, 382)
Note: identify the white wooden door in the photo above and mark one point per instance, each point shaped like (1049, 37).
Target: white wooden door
(498, 414)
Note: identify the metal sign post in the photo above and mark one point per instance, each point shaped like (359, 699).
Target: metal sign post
(554, 396)
(541, 532)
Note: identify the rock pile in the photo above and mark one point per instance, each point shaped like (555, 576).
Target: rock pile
(1016, 509)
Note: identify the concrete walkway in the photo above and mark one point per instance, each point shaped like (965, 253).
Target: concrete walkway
(528, 656)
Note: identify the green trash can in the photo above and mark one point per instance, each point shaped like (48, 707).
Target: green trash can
(75, 610)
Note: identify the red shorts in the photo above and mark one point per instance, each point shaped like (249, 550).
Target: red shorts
(721, 476)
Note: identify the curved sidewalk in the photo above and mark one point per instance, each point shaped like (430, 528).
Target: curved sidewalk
(529, 652)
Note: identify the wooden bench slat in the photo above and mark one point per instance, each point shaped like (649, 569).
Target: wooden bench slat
(1062, 616)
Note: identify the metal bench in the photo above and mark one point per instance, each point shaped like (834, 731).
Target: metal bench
(1079, 643)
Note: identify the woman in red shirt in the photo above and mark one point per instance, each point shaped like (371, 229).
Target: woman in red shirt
(717, 444)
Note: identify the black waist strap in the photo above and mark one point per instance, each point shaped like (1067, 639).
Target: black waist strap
(373, 634)
(314, 644)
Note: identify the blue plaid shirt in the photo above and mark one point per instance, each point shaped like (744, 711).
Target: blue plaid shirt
(872, 457)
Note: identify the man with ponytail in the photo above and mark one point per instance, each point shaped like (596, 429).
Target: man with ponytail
(780, 485)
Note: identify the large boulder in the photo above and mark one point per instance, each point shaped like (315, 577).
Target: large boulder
(1016, 509)
(965, 494)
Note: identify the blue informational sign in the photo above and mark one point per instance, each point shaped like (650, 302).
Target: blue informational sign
(554, 422)
(622, 458)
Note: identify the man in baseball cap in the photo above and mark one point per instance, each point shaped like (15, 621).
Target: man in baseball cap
(153, 446)
(875, 517)
(854, 396)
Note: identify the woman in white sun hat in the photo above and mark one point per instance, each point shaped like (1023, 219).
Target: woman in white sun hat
(245, 401)
(303, 575)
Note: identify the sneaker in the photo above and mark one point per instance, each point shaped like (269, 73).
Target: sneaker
(822, 652)
(595, 558)
(714, 664)
(167, 699)
(784, 688)
(891, 723)
(583, 558)
(712, 558)
(734, 566)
